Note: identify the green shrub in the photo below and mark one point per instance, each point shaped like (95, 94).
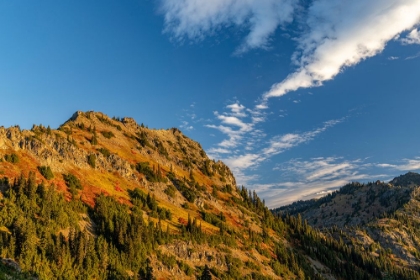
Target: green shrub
(105, 152)
(142, 139)
(73, 183)
(216, 220)
(187, 192)
(185, 268)
(94, 140)
(170, 191)
(13, 158)
(72, 180)
(160, 148)
(227, 189)
(151, 174)
(91, 159)
(46, 172)
(107, 134)
(251, 265)
(167, 260)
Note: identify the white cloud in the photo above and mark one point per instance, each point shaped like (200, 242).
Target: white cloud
(405, 165)
(341, 33)
(185, 125)
(229, 120)
(188, 117)
(288, 192)
(234, 136)
(337, 33)
(262, 106)
(239, 163)
(219, 151)
(243, 161)
(412, 38)
(413, 56)
(306, 179)
(281, 143)
(195, 19)
(237, 122)
(320, 168)
(237, 110)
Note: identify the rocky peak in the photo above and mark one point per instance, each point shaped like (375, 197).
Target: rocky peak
(117, 145)
(76, 115)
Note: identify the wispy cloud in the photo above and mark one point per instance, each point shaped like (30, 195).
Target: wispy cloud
(306, 179)
(188, 118)
(412, 38)
(237, 110)
(250, 159)
(186, 126)
(196, 19)
(413, 56)
(314, 178)
(237, 122)
(279, 144)
(343, 33)
(403, 165)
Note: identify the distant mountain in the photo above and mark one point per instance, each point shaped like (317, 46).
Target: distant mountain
(406, 180)
(381, 218)
(107, 198)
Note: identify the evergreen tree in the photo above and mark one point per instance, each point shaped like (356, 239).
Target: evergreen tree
(147, 272)
(94, 139)
(206, 275)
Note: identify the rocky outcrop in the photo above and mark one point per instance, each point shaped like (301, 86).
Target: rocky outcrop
(196, 254)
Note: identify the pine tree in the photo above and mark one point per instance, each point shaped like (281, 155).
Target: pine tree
(206, 275)
(94, 140)
(147, 272)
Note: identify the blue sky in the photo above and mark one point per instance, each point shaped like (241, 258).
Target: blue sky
(297, 97)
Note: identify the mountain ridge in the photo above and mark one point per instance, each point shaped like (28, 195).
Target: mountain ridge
(108, 198)
(377, 216)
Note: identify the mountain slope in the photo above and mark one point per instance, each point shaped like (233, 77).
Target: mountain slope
(381, 218)
(109, 168)
(106, 198)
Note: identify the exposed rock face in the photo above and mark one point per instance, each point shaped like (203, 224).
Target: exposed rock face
(130, 123)
(196, 254)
